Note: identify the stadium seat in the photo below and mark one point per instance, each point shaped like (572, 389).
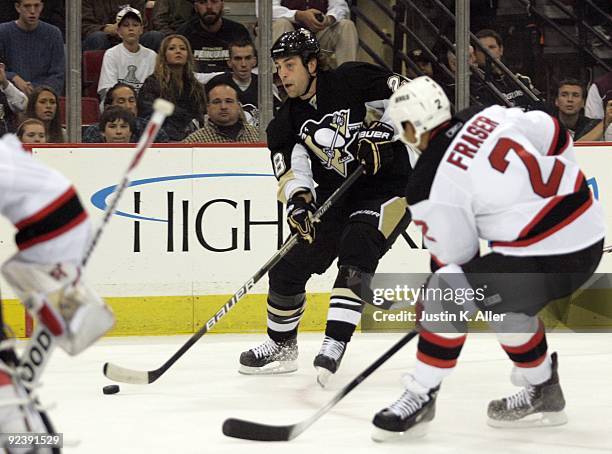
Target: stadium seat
(92, 65)
(90, 111)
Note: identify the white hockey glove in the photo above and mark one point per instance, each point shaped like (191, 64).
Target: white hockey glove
(57, 297)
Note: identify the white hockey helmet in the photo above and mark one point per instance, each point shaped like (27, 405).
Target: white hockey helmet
(423, 103)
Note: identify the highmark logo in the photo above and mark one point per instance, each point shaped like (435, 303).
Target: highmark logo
(184, 218)
(180, 225)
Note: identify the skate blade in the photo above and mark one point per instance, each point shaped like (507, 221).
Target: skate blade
(273, 368)
(543, 419)
(415, 432)
(323, 376)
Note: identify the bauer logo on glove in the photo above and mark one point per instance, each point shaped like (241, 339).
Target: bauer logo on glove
(375, 147)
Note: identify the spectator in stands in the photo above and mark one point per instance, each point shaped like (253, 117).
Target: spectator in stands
(329, 20)
(174, 80)
(43, 104)
(594, 107)
(242, 60)
(32, 130)
(170, 15)
(32, 50)
(117, 125)
(12, 102)
(123, 95)
(570, 102)
(100, 29)
(128, 62)
(603, 130)
(607, 123)
(209, 35)
(491, 40)
(422, 61)
(225, 121)
(480, 94)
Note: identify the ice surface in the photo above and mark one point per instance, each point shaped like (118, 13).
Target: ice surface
(183, 411)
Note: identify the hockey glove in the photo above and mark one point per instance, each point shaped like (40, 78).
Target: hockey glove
(375, 147)
(299, 217)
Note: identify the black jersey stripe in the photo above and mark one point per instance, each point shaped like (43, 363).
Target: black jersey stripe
(558, 213)
(56, 218)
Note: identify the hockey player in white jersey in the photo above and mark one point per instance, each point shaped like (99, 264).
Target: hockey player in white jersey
(53, 231)
(511, 178)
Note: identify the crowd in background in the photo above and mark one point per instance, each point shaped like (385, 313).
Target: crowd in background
(187, 52)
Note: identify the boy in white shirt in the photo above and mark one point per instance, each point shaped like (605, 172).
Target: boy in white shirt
(128, 62)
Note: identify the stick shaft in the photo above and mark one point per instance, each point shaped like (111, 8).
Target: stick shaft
(146, 140)
(127, 375)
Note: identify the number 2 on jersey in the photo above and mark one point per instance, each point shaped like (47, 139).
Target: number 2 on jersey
(498, 161)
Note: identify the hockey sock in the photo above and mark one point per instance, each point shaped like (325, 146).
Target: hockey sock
(528, 350)
(437, 355)
(346, 302)
(284, 314)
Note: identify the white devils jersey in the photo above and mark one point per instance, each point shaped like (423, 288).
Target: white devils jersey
(43, 205)
(508, 177)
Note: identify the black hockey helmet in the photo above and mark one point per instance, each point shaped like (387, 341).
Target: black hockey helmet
(300, 42)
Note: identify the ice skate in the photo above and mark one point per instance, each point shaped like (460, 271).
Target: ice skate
(270, 358)
(328, 360)
(533, 406)
(409, 416)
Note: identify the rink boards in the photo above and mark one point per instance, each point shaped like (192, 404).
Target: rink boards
(196, 224)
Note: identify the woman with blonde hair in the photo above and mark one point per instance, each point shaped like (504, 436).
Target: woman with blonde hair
(32, 130)
(43, 104)
(174, 80)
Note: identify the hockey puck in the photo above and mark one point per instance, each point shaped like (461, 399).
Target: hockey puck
(111, 389)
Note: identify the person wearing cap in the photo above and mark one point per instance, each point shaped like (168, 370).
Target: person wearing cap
(423, 62)
(209, 35)
(99, 28)
(127, 62)
(32, 50)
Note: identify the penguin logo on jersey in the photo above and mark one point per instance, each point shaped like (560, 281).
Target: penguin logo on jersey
(330, 139)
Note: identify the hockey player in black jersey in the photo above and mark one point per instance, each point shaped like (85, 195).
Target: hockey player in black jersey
(511, 178)
(317, 138)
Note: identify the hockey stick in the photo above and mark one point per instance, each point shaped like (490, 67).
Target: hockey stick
(38, 350)
(161, 110)
(248, 430)
(122, 374)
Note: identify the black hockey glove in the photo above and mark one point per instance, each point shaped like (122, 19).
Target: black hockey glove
(375, 147)
(299, 217)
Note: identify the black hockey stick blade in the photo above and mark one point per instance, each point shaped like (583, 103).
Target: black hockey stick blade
(142, 377)
(248, 430)
(239, 428)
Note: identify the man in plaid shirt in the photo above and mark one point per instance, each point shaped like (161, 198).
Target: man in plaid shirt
(225, 120)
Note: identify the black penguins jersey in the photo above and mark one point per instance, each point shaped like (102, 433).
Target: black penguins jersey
(314, 142)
